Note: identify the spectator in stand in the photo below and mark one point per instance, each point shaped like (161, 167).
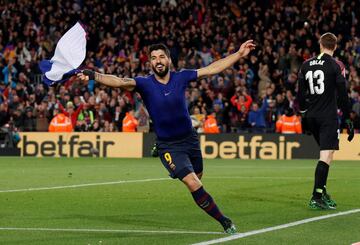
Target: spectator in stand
(210, 124)
(205, 55)
(60, 123)
(281, 104)
(219, 116)
(288, 123)
(85, 119)
(130, 123)
(9, 73)
(4, 114)
(356, 102)
(28, 121)
(264, 76)
(70, 112)
(241, 100)
(257, 117)
(271, 115)
(16, 118)
(249, 75)
(291, 101)
(96, 127)
(356, 121)
(198, 119)
(119, 116)
(42, 116)
(108, 127)
(2, 90)
(239, 120)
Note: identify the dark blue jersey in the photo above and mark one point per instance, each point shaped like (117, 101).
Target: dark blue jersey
(166, 103)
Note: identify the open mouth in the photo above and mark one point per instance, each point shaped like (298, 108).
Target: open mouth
(159, 66)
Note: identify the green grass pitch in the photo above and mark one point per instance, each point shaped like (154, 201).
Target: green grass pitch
(255, 194)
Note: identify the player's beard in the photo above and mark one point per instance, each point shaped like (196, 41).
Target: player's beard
(162, 73)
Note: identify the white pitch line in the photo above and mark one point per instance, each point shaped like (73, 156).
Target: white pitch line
(83, 185)
(148, 180)
(108, 231)
(138, 181)
(141, 180)
(274, 177)
(274, 228)
(261, 177)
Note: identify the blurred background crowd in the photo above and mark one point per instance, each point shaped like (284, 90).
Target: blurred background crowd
(255, 95)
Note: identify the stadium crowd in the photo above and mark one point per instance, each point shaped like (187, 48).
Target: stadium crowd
(250, 97)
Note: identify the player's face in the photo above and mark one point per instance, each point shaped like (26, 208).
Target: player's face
(160, 63)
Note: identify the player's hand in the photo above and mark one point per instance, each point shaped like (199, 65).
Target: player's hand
(246, 47)
(350, 129)
(86, 75)
(82, 77)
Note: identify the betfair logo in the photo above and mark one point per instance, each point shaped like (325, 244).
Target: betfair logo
(255, 148)
(66, 147)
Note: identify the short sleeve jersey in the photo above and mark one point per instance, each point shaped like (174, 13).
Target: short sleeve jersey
(166, 103)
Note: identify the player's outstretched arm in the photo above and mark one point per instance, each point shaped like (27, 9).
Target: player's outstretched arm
(220, 65)
(108, 80)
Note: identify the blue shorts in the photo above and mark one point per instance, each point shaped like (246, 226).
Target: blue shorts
(181, 157)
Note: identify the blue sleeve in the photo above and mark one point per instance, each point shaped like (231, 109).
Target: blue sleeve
(140, 83)
(188, 75)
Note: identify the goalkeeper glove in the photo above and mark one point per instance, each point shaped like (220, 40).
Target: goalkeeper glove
(349, 129)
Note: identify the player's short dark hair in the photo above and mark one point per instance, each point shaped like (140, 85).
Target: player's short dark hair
(160, 46)
(328, 41)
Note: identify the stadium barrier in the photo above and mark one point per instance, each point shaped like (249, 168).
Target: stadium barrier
(81, 144)
(264, 146)
(137, 145)
(348, 150)
(251, 146)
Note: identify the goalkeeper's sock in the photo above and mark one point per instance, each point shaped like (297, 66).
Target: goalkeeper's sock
(321, 172)
(326, 176)
(207, 203)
